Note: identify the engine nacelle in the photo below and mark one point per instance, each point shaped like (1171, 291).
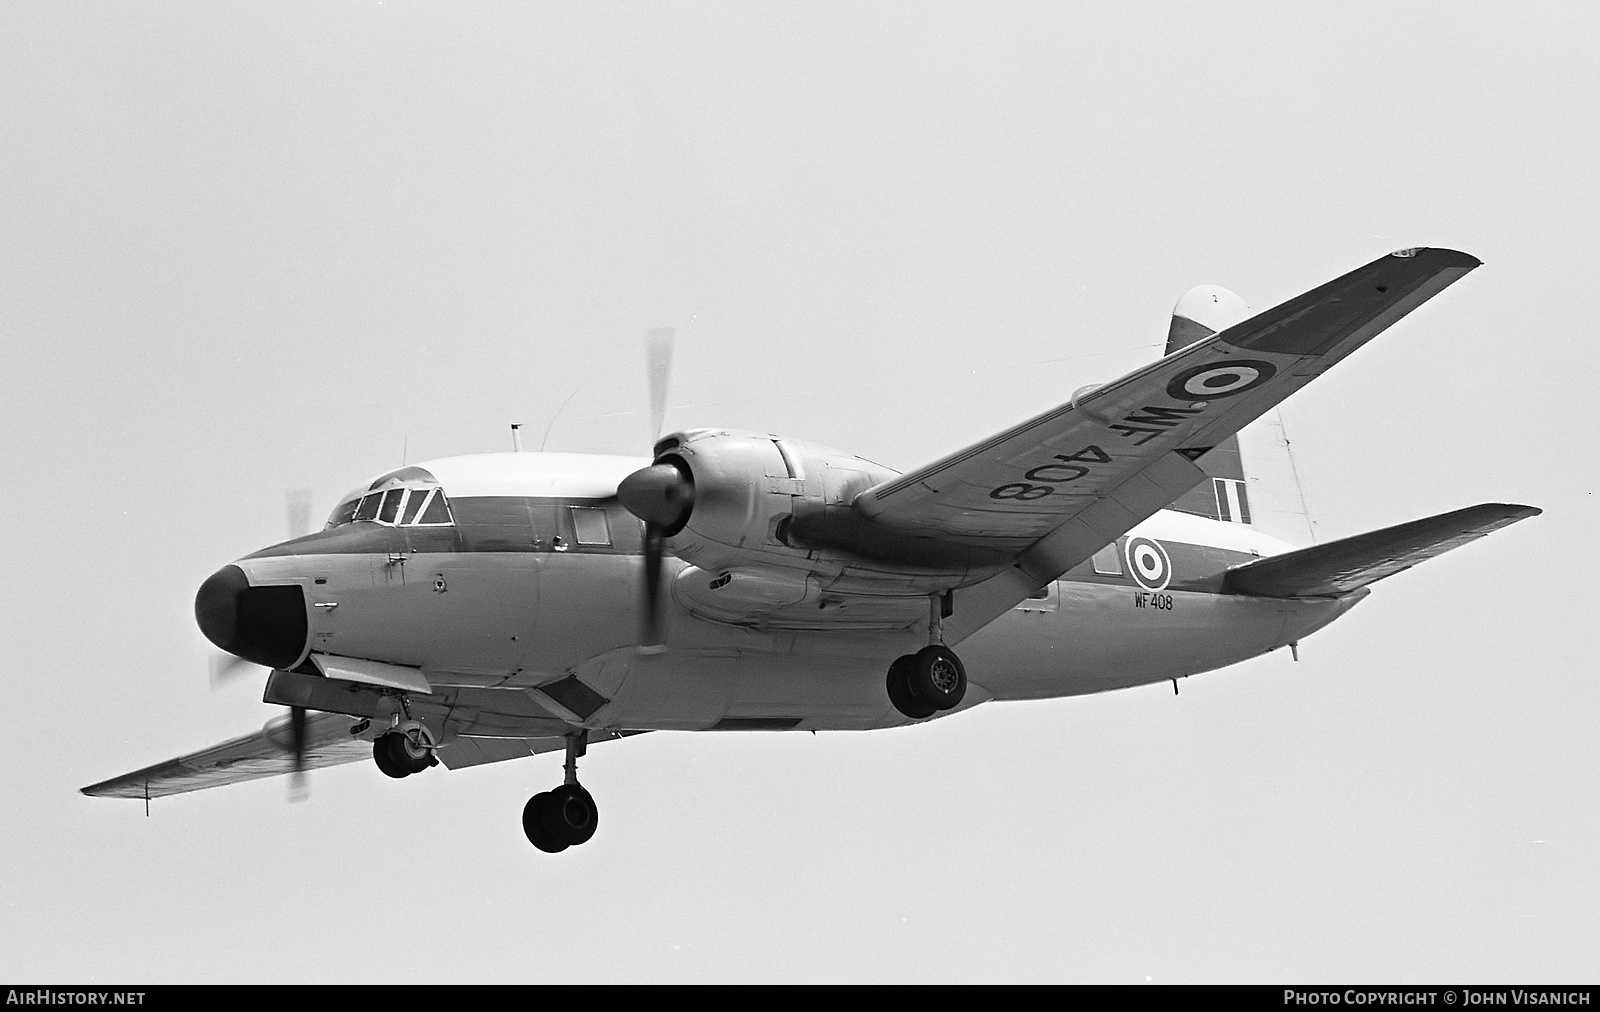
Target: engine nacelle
(762, 500)
(771, 535)
(747, 488)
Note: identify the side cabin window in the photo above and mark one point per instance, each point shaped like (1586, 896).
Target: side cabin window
(396, 507)
(589, 526)
(1107, 562)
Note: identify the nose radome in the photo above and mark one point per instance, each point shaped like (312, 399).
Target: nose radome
(266, 625)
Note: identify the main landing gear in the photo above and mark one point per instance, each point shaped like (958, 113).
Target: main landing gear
(933, 678)
(927, 681)
(567, 816)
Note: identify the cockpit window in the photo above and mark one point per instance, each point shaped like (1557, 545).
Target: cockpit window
(346, 513)
(398, 507)
(391, 505)
(414, 502)
(438, 511)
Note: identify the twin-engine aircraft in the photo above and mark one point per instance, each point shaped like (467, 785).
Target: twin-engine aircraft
(482, 608)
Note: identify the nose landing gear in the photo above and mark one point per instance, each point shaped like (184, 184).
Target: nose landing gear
(406, 748)
(401, 753)
(567, 816)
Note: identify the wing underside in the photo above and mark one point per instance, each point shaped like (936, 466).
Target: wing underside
(1014, 489)
(329, 742)
(266, 753)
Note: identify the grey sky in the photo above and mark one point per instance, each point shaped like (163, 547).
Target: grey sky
(245, 249)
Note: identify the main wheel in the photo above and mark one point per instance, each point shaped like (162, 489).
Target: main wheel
(937, 678)
(899, 683)
(570, 815)
(533, 825)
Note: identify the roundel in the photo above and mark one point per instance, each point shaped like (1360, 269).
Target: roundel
(1220, 379)
(1148, 563)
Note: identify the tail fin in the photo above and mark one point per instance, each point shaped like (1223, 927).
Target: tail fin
(1342, 566)
(1253, 480)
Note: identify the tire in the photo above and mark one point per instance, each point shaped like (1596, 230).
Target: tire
(384, 754)
(533, 825)
(937, 678)
(570, 815)
(899, 684)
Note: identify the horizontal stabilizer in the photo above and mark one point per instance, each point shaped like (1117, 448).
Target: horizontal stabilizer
(1339, 567)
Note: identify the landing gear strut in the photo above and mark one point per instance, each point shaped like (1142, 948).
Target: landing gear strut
(567, 816)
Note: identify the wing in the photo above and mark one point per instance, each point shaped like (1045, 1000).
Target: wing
(1339, 567)
(328, 743)
(1125, 449)
(1052, 491)
(250, 757)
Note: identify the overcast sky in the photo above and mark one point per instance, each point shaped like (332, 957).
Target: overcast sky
(250, 248)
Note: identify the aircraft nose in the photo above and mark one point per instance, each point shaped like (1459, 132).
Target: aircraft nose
(266, 625)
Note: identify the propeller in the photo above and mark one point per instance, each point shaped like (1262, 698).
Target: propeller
(658, 368)
(290, 734)
(299, 789)
(662, 495)
(298, 501)
(227, 669)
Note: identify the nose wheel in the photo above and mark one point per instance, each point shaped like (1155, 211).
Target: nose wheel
(930, 680)
(404, 751)
(567, 816)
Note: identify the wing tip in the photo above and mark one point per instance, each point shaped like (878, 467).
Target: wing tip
(1442, 255)
(1516, 511)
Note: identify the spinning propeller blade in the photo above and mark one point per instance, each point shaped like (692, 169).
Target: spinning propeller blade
(650, 607)
(298, 501)
(226, 669)
(658, 366)
(299, 789)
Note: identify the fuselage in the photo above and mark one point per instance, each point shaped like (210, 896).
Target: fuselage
(513, 582)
